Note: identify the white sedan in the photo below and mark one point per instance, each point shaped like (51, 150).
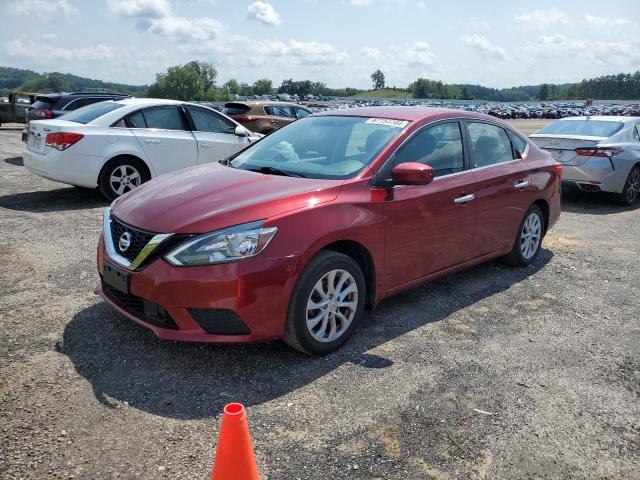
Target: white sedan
(118, 145)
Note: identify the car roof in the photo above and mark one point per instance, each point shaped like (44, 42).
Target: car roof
(606, 118)
(408, 113)
(146, 102)
(250, 103)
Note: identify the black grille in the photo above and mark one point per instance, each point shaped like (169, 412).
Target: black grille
(139, 238)
(146, 310)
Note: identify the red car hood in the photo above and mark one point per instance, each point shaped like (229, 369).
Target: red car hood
(209, 197)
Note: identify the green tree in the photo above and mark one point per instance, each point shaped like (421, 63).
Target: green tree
(543, 93)
(232, 86)
(207, 73)
(377, 78)
(262, 87)
(179, 83)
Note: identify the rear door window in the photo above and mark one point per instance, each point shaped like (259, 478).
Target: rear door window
(165, 118)
(490, 144)
(136, 120)
(42, 104)
(519, 143)
(439, 146)
(279, 111)
(208, 121)
(301, 112)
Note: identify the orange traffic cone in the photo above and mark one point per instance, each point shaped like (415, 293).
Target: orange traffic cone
(234, 455)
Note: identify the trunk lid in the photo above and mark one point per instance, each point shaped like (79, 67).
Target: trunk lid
(38, 131)
(563, 147)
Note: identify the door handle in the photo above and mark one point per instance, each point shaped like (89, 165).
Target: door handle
(522, 183)
(275, 121)
(152, 141)
(206, 145)
(464, 198)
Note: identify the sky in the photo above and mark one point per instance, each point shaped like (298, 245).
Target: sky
(338, 42)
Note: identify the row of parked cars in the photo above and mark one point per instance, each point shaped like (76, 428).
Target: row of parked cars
(294, 232)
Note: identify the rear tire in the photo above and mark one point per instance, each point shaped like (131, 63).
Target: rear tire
(631, 189)
(326, 305)
(121, 175)
(529, 239)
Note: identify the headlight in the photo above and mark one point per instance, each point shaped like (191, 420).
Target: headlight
(223, 246)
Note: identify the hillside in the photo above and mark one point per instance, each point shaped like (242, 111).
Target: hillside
(30, 81)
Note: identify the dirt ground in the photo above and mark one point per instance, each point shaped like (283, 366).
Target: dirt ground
(491, 373)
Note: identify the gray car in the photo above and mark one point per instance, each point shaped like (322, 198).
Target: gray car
(597, 154)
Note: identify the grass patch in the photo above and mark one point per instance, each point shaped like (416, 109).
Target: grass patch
(385, 93)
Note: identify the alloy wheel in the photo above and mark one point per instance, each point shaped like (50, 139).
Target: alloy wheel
(633, 189)
(124, 178)
(530, 235)
(332, 305)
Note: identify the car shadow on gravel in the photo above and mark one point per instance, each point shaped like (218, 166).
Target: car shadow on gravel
(126, 363)
(600, 203)
(17, 161)
(58, 200)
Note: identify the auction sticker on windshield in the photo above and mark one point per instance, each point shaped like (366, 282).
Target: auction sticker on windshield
(388, 122)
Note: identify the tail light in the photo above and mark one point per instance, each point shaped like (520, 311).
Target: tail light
(40, 113)
(558, 169)
(598, 151)
(62, 140)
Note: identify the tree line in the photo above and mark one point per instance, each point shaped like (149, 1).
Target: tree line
(198, 80)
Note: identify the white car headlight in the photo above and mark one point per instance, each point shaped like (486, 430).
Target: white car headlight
(227, 245)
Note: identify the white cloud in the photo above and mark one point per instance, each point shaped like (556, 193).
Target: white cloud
(264, 12)
(156, 16)
(542, 19)
(600, 52)
(421, 5)
(606, 21)
(41, 7)
(239, 49)
(140, 8)
(24, 47)
(414, 56)
(484, 46)
(185, 30)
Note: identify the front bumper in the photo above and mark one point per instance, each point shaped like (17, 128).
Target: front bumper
(252, 293)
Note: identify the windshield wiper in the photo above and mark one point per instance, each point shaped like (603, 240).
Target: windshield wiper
(276, 171)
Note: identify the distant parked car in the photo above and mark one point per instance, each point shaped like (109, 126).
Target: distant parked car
(53, 105)
(596, 153)
(15, 107)
(118, 145)
(265, 117)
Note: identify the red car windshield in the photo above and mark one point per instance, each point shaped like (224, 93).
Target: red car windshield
(321, 147)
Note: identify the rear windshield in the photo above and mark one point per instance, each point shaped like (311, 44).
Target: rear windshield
(590, 128)
(91, 112)
(235, 109)
(42, 103)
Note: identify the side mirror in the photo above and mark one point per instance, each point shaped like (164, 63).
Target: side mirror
(242, 131)
(412, 173)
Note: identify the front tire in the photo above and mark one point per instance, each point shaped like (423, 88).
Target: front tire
(326, 305)
(529, 239)
(631, 189)
(121, 175)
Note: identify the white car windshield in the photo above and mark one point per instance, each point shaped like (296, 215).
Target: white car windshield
(321, 147)
(589, 128)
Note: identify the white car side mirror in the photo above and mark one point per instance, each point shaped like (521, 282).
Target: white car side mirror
(242, 131)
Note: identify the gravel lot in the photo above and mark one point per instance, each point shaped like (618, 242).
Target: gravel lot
(491, 373)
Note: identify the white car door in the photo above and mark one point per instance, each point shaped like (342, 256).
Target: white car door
(165, 137)
(215, 135)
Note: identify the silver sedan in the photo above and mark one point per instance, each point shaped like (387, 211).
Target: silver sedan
(597, 154)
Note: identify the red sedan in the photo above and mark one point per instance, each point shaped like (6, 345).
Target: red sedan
(296, 236)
